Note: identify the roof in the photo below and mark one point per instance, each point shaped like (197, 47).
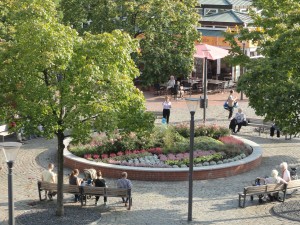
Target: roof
(230, 16)
(211, 33)
(226, 2)
(214, 2)
(240, 2)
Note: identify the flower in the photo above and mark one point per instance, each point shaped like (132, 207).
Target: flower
(104, 156)
(96, 156)
(87, 156)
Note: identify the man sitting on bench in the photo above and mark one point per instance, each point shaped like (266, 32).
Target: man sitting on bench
(239, 120)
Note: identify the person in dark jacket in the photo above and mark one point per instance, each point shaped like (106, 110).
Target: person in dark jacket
(100, 182)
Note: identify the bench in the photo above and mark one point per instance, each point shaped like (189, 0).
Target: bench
(261, 124)
(157, 114)
(293, 185)
(261, 190)
(105, 192)
(67, 188)
(4, 131)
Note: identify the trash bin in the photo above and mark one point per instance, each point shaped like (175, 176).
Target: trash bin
(202, 102)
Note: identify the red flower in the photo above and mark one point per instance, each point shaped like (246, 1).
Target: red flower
(104, 156)
(96, 156)
(111, 155)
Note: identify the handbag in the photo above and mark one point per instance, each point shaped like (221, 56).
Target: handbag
(225, 105)
(236, 104)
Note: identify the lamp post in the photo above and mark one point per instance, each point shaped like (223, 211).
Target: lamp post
(205, 85)
(10, 150)
(192, 104)
(244, 43)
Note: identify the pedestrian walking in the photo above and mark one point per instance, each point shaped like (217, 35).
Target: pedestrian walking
(167, 105)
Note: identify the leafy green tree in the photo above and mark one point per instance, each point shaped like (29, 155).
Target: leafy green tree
(73, 84)
(166, 29)
(272, 83)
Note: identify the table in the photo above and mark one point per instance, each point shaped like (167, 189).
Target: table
(215, 84)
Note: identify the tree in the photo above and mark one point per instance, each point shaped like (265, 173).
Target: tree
(167, 30)
(69, 84)
(272, 83)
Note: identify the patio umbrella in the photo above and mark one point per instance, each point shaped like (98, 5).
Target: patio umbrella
(211, 52)
(206, 52)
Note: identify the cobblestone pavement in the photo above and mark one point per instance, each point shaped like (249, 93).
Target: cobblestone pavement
(156, 203)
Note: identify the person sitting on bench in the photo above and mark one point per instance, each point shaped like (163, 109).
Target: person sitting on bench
(239, 120)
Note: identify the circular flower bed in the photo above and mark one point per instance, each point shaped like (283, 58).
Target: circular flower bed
(171, 148)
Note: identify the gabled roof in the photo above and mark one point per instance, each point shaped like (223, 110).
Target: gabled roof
(214, 2)
(225, 2)
(230, 16)
(240, 2)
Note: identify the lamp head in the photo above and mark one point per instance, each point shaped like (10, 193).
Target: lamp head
(192, 104)
(10, 150)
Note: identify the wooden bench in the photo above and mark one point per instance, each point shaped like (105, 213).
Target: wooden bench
(261, 190)
(293, 185)
(157, 114)
(4, 131)
(261, 124)
(67, 188)
(105, 192)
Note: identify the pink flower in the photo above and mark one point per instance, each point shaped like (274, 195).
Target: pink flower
(112, 155)
(87, 156)
(120, 153)
(104, 156)
(96, 156)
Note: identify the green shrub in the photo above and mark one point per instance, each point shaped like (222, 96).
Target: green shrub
(207, 143)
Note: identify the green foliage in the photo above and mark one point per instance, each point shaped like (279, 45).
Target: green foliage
(207, 143)
(201, 130)
(166, 28)
(272, 82)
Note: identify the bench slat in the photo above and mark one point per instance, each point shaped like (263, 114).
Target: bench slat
(293, 184)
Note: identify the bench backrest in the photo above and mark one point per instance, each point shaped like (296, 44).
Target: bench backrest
(3, 128)
(275, 187)
(48, 186)
(67, 188)
(91, 190)
(116, 192)
(264, 188)
(255, 189)
(255, 120)
(293, 184)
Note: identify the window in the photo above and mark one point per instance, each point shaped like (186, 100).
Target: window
(210, 11)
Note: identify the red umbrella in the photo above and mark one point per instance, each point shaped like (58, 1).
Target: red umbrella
(210, 52)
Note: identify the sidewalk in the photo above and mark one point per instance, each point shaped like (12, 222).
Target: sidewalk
(157, 203)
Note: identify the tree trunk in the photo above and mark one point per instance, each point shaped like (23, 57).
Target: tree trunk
(60, 173)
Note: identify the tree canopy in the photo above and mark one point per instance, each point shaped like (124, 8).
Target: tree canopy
(272, 83)
(167, 30)
(53, 77)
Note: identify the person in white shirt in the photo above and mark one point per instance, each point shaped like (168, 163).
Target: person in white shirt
(284, 171)
(49, 176)
(230, 101)
(167, 105)
(238, 120)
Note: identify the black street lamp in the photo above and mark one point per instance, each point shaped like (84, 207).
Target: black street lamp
(10, 150)
(244, 43)
(205, 52)
(192, 104)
